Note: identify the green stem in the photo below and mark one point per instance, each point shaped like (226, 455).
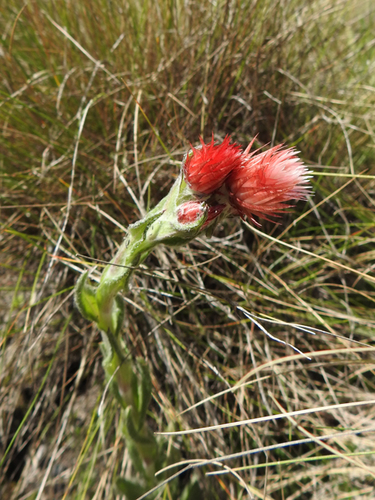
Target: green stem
(116, 275)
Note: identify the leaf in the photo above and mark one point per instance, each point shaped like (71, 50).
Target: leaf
(85, 299)
(144, 391)
(142, 445)
(136, 434)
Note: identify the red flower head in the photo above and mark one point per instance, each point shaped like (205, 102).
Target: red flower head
(264, 182)
(207, 166)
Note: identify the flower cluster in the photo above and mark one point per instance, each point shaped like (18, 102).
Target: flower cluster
(241, 182)
(216, 181)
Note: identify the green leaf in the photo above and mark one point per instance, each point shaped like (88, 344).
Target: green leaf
(144, 390)
(85, 299)
(142, 445)
(137, 435)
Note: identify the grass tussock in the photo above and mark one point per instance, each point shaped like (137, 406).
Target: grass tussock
(99, 100)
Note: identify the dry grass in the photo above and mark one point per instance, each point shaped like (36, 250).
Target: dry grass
(99, 101)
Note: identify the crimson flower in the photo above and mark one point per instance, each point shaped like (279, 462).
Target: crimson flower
(265, 181)
(206, 167)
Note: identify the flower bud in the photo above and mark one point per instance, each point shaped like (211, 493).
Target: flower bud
(190, 212)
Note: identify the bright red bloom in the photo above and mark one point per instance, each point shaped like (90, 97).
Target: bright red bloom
(207, 166)
(265, 181)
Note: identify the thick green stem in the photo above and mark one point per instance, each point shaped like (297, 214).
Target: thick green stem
(116, 275)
